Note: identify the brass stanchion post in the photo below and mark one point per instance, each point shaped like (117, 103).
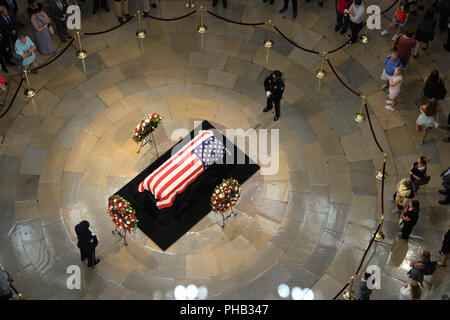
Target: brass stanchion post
(364, 37)
(140, 33)
(81, 54)
(201, 28)
(379, 173)
(347, 295)
(321, 73)
(268, 43)
(29, 92)
(360, 117)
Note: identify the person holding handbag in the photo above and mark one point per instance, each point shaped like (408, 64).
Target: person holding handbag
(434, 86)
(404, 191)
(418, 173)
(426, 118)
(41, 23)
(408, 219)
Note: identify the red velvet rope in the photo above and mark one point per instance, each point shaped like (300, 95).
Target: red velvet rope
(371, 129)
(108, 30)
(169, 19)
(55, 57)
(295, 44)
(340, 47)
(236, 22)
(13, 98)
(341, 81)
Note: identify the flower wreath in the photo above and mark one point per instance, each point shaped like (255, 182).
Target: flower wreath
(146, 127)
(122, 214)
(225, 195)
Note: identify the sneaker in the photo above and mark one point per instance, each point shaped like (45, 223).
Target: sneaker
(192, 5)
(395, 36)
(186, 5)
(388, 107)
(384, 86)
(389, 101)
(383, 33)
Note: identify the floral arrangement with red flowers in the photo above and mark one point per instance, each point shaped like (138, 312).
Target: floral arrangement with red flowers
(146, 127)
(225, 195)
(122, 214)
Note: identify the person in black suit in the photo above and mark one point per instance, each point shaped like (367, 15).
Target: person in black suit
(446, 184)
(8, 24)
(5, 51)
(87, 242)
(274, 86)
(58, 9)
(294, 7)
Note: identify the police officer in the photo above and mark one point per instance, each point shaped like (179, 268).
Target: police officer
(274, 86)
(87, 242)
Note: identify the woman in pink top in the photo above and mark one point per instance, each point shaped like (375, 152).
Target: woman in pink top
(394, 88)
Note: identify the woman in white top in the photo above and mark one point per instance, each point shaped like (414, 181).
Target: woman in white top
(394, 88)
(410, 291)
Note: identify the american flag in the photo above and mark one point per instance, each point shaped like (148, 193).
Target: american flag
(183, 168)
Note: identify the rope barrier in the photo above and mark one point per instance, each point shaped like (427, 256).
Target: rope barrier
(391, 6)
(340, 47)
(55, 57)
(342, 81)
(108, 30)
(295, 44)
(169, 19)
(236, 22)
(13, 98)
(371, 129)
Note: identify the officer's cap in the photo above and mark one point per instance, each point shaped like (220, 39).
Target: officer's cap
(277, 73)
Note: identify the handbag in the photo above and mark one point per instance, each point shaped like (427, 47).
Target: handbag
(425, 180)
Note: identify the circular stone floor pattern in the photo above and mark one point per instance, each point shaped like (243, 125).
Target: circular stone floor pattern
(306, 226)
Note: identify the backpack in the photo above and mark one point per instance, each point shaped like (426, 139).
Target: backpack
(430, 268)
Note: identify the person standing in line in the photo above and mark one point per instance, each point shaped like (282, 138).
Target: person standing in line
(274, 87)
(97, 6)
(87, 242)
(25, 48)
(426, 118)
(356, 14)
(421, 266)
(409, 218)
(58, 9)
(341, 16)
(362, 291)
(394, 88)
(40, 22)
(294, 8)
(410, 291)
(434, 86)
(405, 45)
(119, 10)
(8, 24)
(444, 14)
(392, 62)
(404, 191)
(400, 19)
(224, 3)
(425, 31)
(418, 172)
(5, 52)
(445, 249)
(446, 184)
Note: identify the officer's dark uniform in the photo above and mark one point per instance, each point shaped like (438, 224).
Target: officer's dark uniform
(275, 85)
(86, 242)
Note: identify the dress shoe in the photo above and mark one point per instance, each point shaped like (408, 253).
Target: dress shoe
(337, 28)
(294, 15)
(62, 39)
(153, 5)
(444, 192)
(127, 16)
(283, 9)
(444, 202)
(276, 118)
(120, 19)
(266, 109)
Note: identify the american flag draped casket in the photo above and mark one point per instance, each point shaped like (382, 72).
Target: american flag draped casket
(183, 168)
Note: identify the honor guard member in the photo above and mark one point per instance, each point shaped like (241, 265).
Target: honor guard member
(274, 86)
(87, 242)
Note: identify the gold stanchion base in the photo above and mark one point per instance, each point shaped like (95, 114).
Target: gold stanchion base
(141, 34)
(19, 297)
(201, 28)
(359, 117)
(379, 175)
(364, 38)
(268, 43)
(321, 74)
(379, 236)
(30, 92)
(346, 295)
(81, 54)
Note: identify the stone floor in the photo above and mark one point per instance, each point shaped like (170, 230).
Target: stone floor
(307, 226)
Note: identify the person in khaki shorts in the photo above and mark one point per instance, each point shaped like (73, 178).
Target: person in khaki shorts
(119, 10)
